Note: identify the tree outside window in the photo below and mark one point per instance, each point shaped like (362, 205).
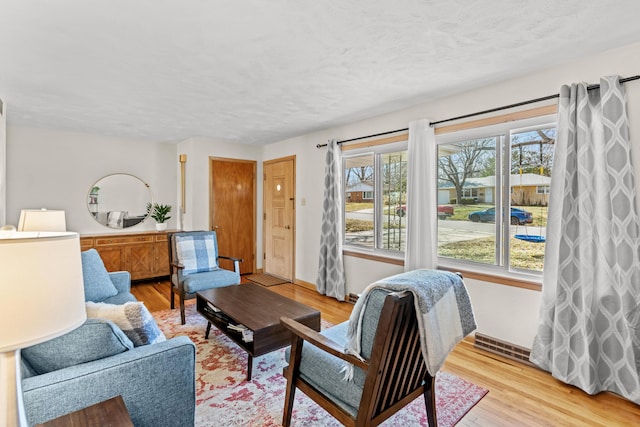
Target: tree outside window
(375, 200)
(491, 207)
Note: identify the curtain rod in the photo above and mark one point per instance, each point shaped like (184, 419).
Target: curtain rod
(478, 113)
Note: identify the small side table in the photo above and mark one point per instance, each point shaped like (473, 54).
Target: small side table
(110, 413)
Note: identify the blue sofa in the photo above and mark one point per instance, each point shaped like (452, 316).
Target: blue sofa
(97, 361)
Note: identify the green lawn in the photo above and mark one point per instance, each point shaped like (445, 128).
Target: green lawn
(353, 206)
(524, 255)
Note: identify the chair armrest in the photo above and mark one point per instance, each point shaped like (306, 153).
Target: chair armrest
(177, 265)
(121, 280)
(157, 383)
(231, 258)
(322, 342)
(236, 262)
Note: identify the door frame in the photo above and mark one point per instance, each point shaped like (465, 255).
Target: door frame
(293, 226)
(254, 197)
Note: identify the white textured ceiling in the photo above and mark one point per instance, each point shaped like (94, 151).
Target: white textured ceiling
(258, 71)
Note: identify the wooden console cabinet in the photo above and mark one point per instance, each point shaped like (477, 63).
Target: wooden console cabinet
(144, 254)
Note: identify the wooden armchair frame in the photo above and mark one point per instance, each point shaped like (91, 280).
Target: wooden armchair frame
(396, 373)
(178, 288)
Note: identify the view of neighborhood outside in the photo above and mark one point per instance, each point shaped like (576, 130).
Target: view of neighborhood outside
(469, 188)
(360, 196)
(468, 181)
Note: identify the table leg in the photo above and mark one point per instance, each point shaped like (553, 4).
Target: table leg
(249, 367)
(206, 334)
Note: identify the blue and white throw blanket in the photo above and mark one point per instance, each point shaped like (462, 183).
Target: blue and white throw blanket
(443, 311)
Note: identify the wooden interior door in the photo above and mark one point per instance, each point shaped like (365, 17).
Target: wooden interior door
(232, 210)
(279, 217)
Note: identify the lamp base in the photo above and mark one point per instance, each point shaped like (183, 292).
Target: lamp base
(11, 406)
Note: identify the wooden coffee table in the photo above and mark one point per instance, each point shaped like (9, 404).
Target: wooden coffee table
(259, 310)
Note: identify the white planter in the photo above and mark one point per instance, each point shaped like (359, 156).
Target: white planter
(161, 226)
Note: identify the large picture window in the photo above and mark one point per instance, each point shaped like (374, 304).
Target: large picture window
(375, 198)
(496, 182)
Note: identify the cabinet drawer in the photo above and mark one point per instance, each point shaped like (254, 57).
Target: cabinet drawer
(86, 243)
(123, 240)
(161, 238)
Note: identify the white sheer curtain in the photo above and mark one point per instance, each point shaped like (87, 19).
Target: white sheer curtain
(589, 327)
(331, 278)
(421, 250)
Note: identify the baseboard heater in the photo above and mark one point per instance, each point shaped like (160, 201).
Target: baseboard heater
(503, 348)
(352, 298)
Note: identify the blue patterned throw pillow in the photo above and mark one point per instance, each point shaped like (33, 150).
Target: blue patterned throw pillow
(132, 318)
(196, 253)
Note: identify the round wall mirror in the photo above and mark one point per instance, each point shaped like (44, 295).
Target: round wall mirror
(119, 200)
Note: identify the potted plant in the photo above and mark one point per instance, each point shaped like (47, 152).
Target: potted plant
(161, 214)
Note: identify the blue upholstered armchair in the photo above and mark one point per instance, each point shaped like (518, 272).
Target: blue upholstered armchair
(97, 361)
(193, 256)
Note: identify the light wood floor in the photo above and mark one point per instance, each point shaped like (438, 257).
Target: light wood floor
(519, 395)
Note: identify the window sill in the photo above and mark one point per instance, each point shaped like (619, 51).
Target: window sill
(516, 282)
(493, 278)
(389, 259)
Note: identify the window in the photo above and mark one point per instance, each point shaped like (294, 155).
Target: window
(543, 189)
(375, 198)
(496, 180)
(469, 193)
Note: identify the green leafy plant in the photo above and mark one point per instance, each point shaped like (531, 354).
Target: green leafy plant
(161, 213)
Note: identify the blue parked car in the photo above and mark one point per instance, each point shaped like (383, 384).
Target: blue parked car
(518, 216)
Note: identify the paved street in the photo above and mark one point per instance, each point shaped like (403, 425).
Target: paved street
(448, 231)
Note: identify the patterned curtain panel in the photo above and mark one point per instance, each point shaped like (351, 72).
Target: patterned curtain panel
(589, 331)
(421, 251)
(331, 280)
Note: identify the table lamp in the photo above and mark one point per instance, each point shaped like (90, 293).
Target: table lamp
(42, 220)
(42, 298)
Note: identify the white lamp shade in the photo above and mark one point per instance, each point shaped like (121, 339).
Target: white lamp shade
(42, 220)
(41, 286)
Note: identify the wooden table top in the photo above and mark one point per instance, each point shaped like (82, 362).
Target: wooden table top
(111, 412)
(254, 306)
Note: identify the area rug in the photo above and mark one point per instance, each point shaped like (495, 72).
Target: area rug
(266, 279)
(225, 398)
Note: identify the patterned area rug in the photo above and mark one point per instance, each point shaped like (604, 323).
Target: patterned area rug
(225, 398)
(266, 279)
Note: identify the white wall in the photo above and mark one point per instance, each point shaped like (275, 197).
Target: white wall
(198, 151)
(503, 312)
(55, 170)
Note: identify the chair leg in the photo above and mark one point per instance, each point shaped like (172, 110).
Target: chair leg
(292, 376)
(182, 317)
(430, 400)
(173, 298)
